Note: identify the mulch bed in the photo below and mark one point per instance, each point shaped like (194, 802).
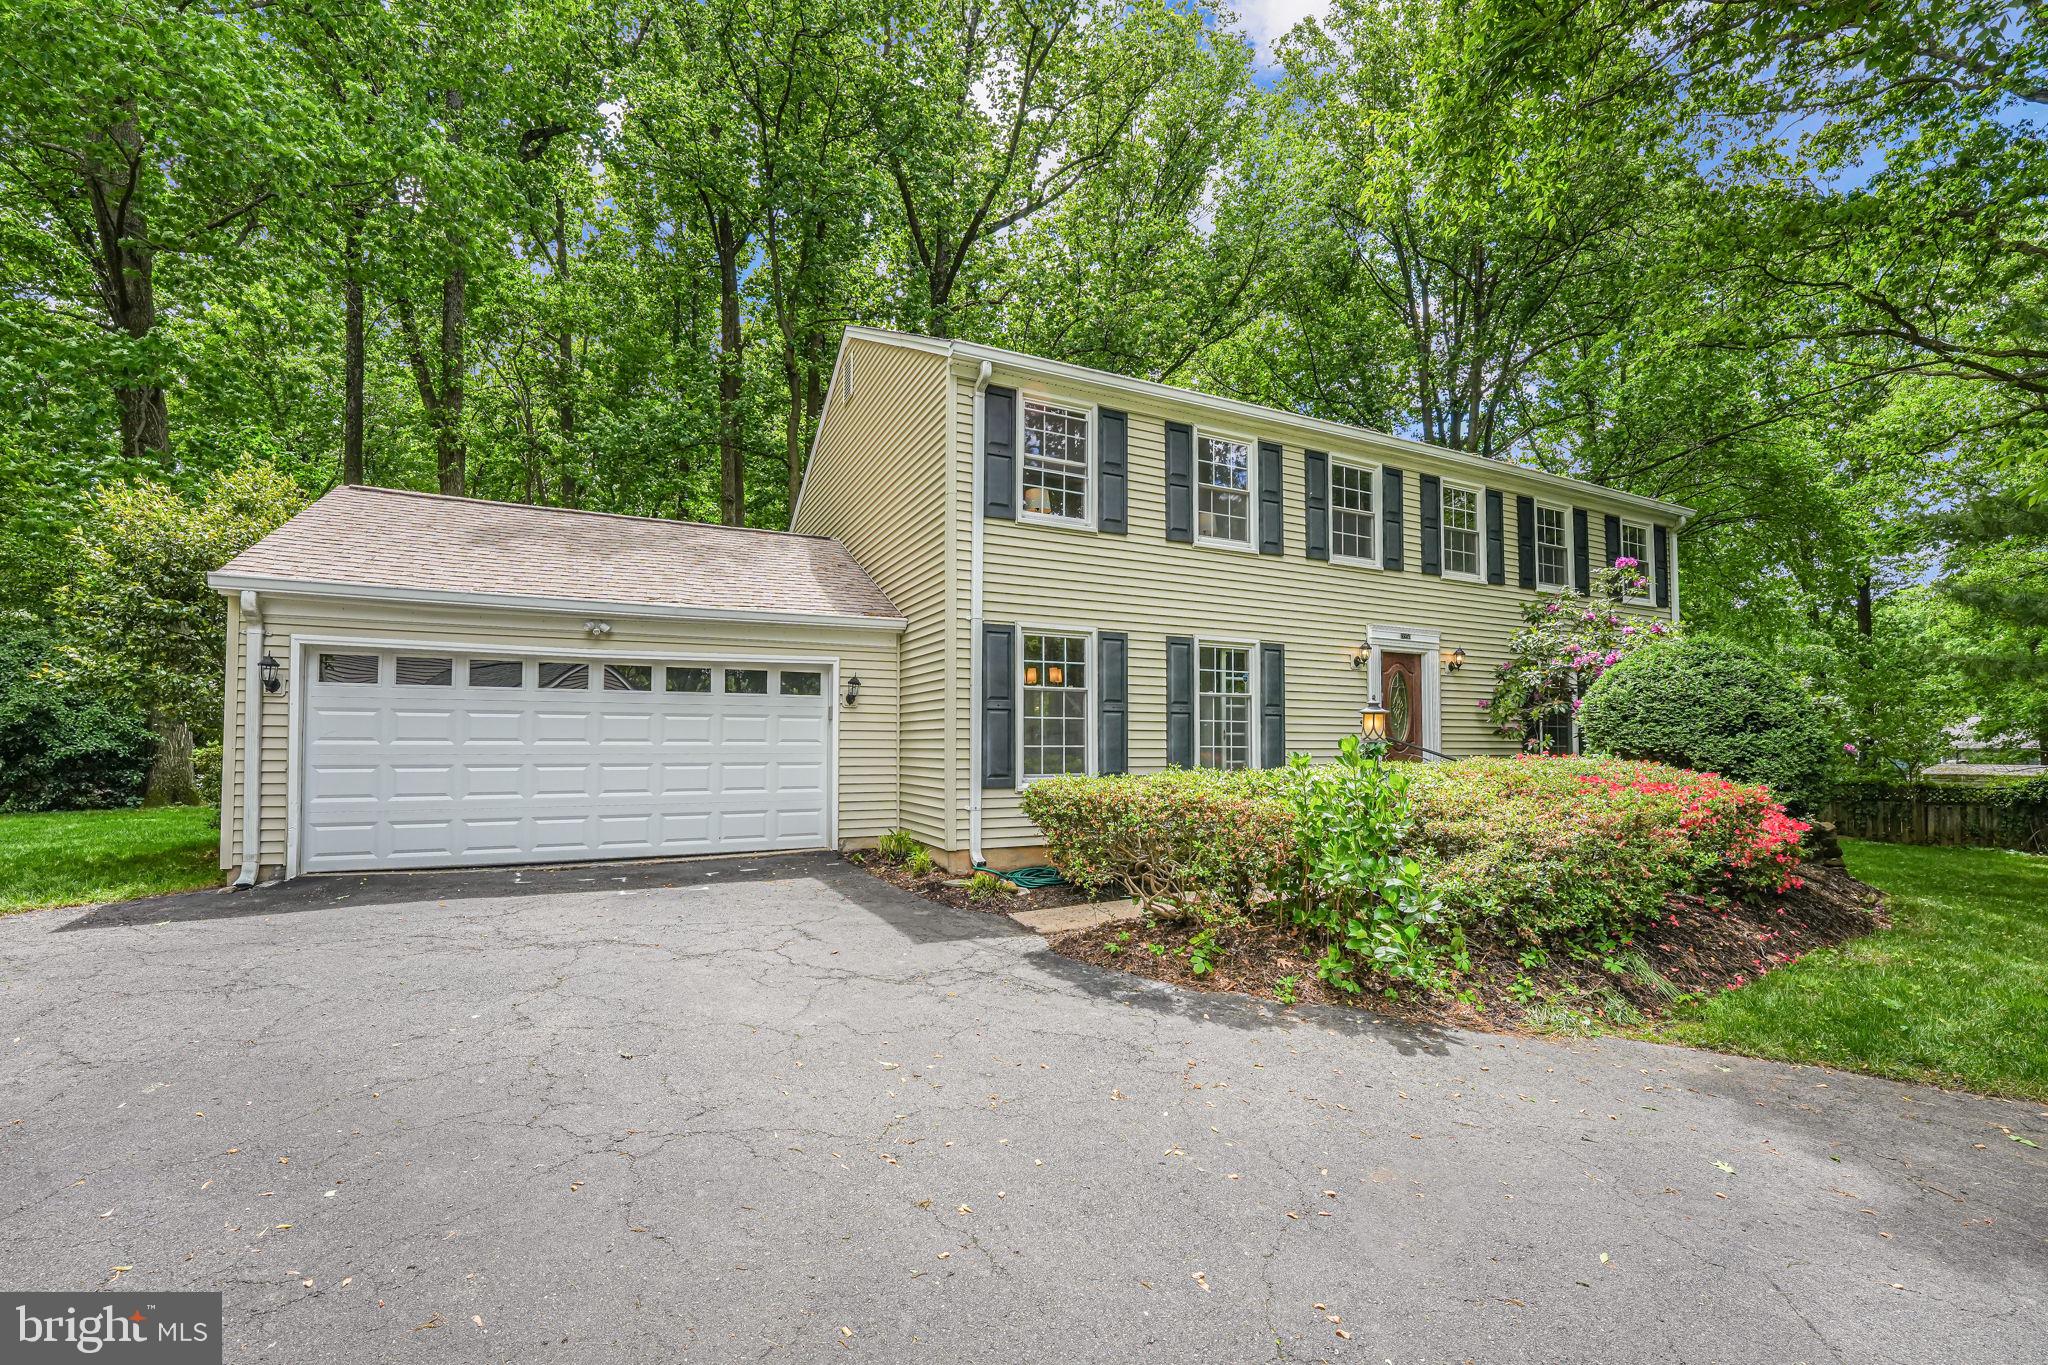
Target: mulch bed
(1698, 949)
(949, 889)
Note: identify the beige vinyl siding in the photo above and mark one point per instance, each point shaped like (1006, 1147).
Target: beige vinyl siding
(1151, 588)
(878, 482)
(865, 761)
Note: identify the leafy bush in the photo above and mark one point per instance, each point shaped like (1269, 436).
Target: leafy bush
(1716, 707)
(897, 845)
(62, 748)
(1564, 644)
(206, 766)
(984, 886)
(1525, 849)
(919, 863)
(1538, 848)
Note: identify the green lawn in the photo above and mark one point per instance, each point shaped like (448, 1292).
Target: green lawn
(85, 857)
(1956, 992)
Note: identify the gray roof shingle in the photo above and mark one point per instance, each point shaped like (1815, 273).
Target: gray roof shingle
(390, 539)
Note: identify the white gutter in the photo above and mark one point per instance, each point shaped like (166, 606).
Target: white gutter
(252, 740)
(974, 584)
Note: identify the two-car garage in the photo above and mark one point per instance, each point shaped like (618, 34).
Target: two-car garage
(417, 681)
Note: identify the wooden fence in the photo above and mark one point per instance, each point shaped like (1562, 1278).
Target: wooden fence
(1926, 814)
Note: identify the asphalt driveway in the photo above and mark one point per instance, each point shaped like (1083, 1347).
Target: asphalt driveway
(734, 1110)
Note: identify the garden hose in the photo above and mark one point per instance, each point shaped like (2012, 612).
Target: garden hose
(1028, 878)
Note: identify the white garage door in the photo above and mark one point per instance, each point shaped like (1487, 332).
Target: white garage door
(425, 759)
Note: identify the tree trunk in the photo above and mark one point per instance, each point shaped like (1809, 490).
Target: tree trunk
(171, 780)
(565, 370)
(127, 279)
(1864, 624)
(352, 354)
(451, 454)
(732, 493)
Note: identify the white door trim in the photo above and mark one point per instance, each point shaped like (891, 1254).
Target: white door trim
(1412, 640)
(302, 646)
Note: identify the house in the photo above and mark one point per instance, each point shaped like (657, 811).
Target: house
(998, 568)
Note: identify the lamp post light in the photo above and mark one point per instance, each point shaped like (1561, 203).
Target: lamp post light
(1372, 727)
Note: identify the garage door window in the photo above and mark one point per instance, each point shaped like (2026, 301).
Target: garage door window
(348, 668)
(425, 672)
(496, 673)
(689, 679)
(628, 678)
(747, 682)
(565, 677)
(802, 684)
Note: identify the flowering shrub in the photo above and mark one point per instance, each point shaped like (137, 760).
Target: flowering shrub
(1526, 848)
(1559, 846)
(1565, 643)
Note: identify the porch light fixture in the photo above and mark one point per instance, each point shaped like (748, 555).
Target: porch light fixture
(1361, 655)
(853, 689)
(1454, 659)
(271, 682)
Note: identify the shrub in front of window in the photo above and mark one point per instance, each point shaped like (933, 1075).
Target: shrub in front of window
(1564, 644)
(1716, 707)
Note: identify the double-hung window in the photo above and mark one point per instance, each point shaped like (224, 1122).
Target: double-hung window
(1055, 731)
(1223, 716)
(1055, 464)
(1223, 490)
(1635, 544)
(1553, 547)
(1461, 530)
(1354, 516)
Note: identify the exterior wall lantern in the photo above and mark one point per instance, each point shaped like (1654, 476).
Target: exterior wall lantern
(271, 683)
(1454, 659)
(853, 689)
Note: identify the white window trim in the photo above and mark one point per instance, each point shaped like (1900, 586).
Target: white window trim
(1379, 541)
(1086, 521)
(1094, 698)
(1570, 545)
(1648, 565)
(1253, 758)
(1251, 490)
(1478, 575)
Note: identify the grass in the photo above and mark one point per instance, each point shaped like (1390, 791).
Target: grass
(1954, 993)
(86, 857)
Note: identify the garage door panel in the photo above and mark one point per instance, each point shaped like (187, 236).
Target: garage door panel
(520, 774)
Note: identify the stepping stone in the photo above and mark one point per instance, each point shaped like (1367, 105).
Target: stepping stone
(1065, 919)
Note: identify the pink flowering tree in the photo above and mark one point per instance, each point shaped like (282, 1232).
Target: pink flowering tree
(1565, 642)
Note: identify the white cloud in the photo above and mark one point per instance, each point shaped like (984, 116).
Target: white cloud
(1265, 21)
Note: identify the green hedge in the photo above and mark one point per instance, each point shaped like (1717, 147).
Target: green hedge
(1714, 707)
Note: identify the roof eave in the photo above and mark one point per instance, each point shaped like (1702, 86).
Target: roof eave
(225, 582)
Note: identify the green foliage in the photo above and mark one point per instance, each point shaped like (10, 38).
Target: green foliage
(1716, 707)
(897, 845)
(986, 886)
(206, 766)
(1565, 643)
(1353, 888)
(61, 746)
(1287, 989)
(919, 863)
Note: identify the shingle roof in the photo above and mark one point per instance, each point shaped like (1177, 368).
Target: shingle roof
(391, 541)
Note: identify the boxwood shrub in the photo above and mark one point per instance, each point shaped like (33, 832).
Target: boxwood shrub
(1716, 707)
(1524, 848)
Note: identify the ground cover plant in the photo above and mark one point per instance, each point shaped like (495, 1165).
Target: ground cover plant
(87, 857)
(1516, 887)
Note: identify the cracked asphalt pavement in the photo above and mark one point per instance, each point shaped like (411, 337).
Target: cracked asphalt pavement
(774, 1108)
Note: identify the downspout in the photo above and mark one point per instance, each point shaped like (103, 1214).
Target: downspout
(252, 740)
(974, 579)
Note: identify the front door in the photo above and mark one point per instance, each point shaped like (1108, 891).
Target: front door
(1401, 695)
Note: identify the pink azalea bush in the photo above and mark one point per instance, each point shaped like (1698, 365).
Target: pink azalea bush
(1564, 644)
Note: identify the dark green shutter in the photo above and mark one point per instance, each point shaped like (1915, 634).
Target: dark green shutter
(1496, 548)
(1660, 539)
(1525, 536)
(1432, 524)
(998, 706)
(999, 453)
(1272, 531)
(1582, 563)
(1390, 516)
(1613, 530)
(1180, 701)
(1180, 482)
(1112, 438)
(1315, 470)
(1272, 706)
(1112, 677)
